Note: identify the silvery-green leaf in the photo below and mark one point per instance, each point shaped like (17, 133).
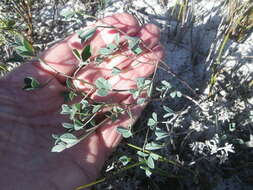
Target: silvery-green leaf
(151, 122)
(142, 154)
(68, 125)
(135, 93)
(31, 83)
(179, 94)
(78, 125)
(86, 53)
(85, 35)
(68, 138)
(124, 160)
(112, 46)
(55, 136)
(154, 115)
(102, 92)
(126, 133)
(150, 162)
(137, 50)
(154, 156)
(160, 134)
(77, 54)
(140, 82)
(132, 41)
(173, 94)
(68, 83)
(102, 83)
(153, 146)
(84, 103)
(105, 51)
(58, 148)
(66, 109)
(96, 108)
(167, 84)
(141, 100)
(167, 109)
(67, 13)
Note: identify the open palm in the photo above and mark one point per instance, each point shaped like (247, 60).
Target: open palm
(28, 119)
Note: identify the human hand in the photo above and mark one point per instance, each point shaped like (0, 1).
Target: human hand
(28, 119)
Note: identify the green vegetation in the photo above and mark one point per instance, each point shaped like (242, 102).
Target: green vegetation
(171, 142)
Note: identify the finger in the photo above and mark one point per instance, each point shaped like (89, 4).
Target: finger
(124, 24)
(142, 66)
(60, 56)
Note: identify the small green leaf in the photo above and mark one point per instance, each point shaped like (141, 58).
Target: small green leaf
(166, 84)
(99, 60)
(22, 51)
(77, 54)
(153, 146)
(141, 101)
(102, 92)
(151, 122)
(68, 83)
(132, 41)
(72, 95)
(232, 127)
(112, 46)
(27, 45)
(105, 51)
(116, 71)
(154, 156)
(66, 109)
(179, 94)
(137, 50)
(135, 93)
(86, 53)
(31, 84)
(58, 148)
(173, 94)
(102, 83)
(154, 115)
(69, 138)
(86, 34)
(147, 171)
(69, 96)
(124, 160)
(167, 109)
(142, 154)
(160, 134)
(134, 44)
(78, 125)
(67, 13)
(126, 133)
(68, 125)
(150, 162)
(176, 94)
(96, 108)
(55, 136)
(140, 82)
(84, 103)
(23, 48)
(76, 106)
